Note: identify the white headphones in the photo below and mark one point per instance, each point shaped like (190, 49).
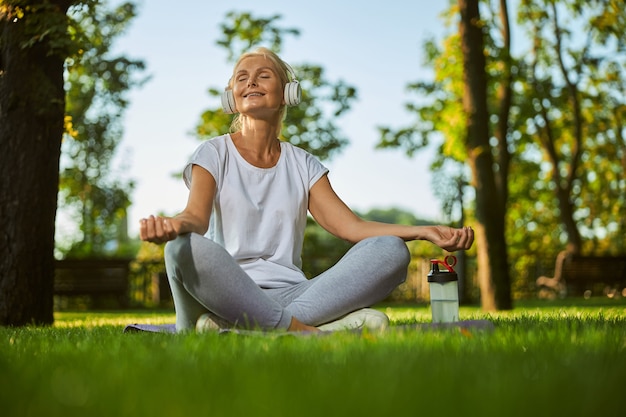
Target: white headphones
(292, 94)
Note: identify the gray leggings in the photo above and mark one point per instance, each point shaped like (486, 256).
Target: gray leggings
(204, 278)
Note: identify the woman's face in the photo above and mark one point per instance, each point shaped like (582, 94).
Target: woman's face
(257, 87)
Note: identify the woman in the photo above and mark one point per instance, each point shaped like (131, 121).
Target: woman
(252, 192)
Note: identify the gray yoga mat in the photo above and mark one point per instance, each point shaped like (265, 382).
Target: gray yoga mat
(465, 324)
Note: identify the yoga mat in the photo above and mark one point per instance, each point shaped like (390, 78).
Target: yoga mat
(465, 325)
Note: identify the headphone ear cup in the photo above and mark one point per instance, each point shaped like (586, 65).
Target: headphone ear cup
(293, 93)
(228, 102)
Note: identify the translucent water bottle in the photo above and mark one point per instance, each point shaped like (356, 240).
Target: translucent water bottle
(444, 291)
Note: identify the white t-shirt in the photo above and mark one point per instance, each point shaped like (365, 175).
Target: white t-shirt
(259, 214)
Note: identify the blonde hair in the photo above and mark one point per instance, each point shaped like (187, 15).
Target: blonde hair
(282, 70)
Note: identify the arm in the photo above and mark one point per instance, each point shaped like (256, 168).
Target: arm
(194, 218)
(337, 218)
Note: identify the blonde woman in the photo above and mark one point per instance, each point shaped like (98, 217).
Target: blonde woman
(252, 193)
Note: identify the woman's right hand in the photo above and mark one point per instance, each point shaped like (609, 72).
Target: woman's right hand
(193, 219)
(157, 229)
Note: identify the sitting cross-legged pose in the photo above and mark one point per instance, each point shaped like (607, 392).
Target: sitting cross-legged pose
(252, 192)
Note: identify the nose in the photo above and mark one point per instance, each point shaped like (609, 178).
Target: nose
(252, 81)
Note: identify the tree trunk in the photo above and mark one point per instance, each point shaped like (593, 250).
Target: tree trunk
(505, 98)
(564, 192)
(493, 271)
(32, 107)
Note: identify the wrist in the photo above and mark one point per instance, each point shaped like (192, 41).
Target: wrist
(419, 233)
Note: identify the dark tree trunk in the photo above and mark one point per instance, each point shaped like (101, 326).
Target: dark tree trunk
(32, 107)
(493, 271)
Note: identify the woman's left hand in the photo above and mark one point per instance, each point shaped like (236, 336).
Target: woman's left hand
(451, 239)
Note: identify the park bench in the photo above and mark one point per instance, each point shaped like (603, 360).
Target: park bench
(586, 275)
(96, 278)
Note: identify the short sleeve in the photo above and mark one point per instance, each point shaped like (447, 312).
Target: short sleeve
(316, 169)
(208, 157)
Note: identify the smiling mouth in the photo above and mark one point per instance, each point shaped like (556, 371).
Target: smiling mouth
(253, 95)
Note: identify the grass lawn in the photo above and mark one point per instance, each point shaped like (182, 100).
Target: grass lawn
(561, 358)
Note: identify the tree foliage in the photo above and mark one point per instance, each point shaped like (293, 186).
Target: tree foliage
(97, 84)
(562, 145)
(573, 107)
(312, 124)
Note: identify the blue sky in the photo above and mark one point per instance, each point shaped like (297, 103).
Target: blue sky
(374, 46)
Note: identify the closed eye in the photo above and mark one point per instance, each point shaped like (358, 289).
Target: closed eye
(264, 73)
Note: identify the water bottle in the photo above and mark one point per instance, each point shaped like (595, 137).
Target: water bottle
(444, 291)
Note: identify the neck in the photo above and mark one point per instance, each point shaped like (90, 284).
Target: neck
(258, 145)
(260, 126)
(259, 135)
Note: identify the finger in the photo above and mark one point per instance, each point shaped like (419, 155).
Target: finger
(458, 240)
(471, 237)
(142, 229)
(150, 229)
(451, 244)
(158, 228)
(165, 227)
(168, 230)
(168, 227)
(467, 238)
(461, 238)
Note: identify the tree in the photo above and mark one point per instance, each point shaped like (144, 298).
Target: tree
(34, 43)
(311, 125)
(576, 78)
(493, 273)
(556, 110)
(97, 84)
(457, 107)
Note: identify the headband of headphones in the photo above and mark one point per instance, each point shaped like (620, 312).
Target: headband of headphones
(292, 94)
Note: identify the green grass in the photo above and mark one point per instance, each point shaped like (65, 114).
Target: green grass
(542, 359)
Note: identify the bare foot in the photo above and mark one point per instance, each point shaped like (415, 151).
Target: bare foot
(297, 326)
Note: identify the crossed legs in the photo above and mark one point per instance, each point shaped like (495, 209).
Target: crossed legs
(204, 278)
